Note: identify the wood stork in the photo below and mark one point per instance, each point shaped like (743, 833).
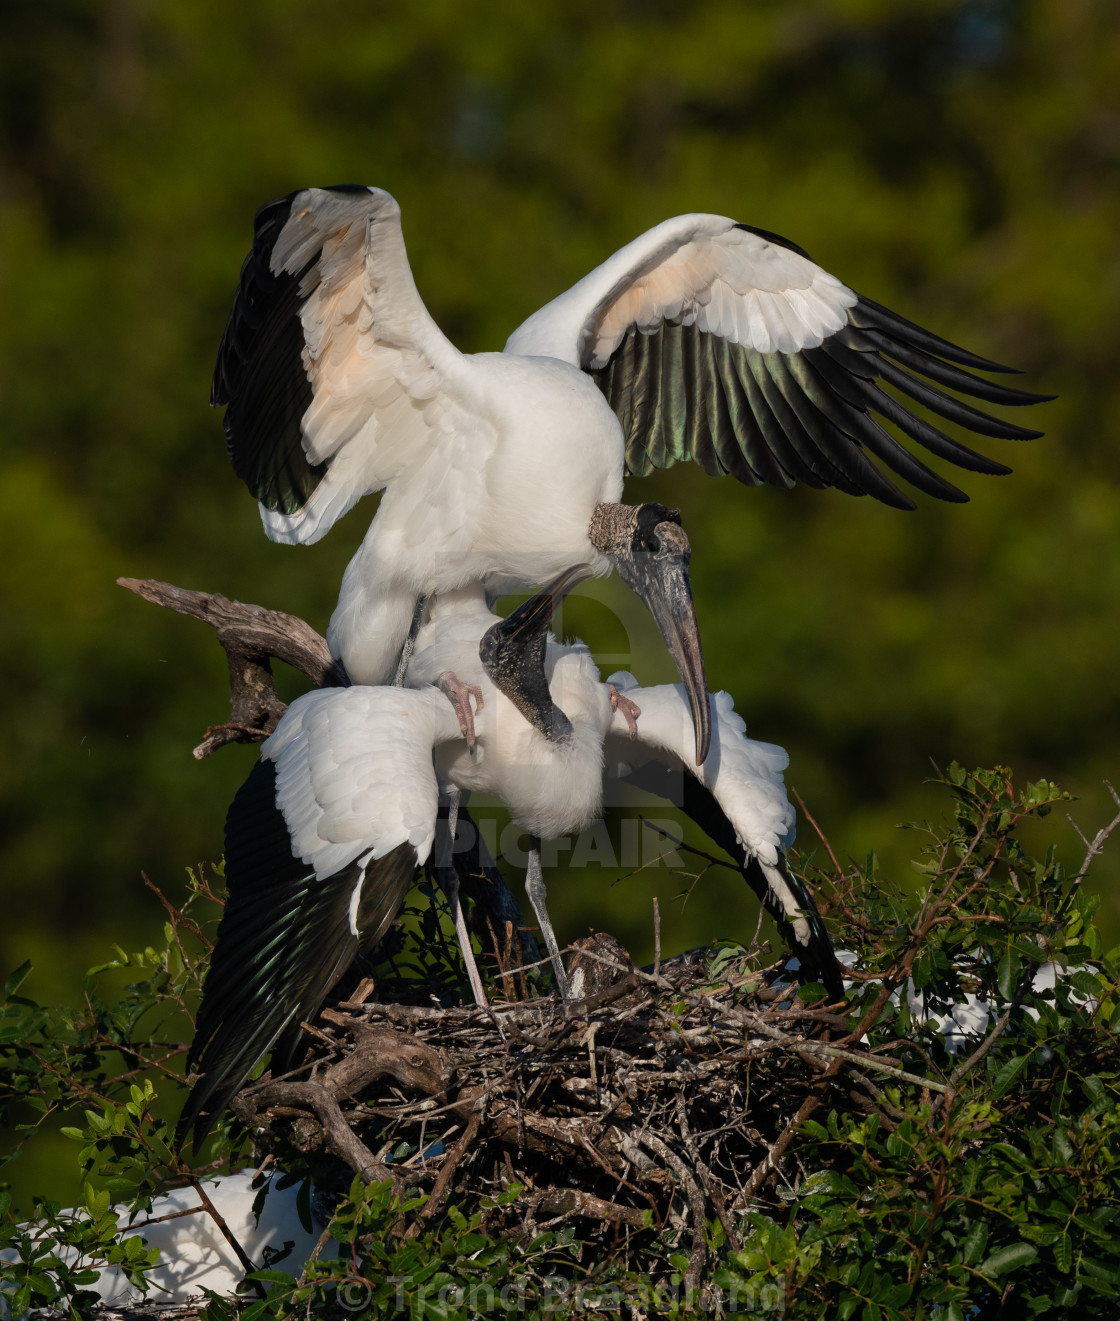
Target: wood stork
(550, 726)
(322, 844)
(702, 339)
(544, 715)
(323, 839)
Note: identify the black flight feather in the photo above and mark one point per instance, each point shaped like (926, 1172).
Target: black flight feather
(683, 393)
(284, 940)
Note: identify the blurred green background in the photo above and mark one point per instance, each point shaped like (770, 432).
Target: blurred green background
(958, 160)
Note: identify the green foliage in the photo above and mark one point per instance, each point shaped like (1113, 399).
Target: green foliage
(997, 1180)
(98, 1067)
(62, 1253)
(1009, 1181)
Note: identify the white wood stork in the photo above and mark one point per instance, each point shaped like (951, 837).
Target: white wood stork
(323, 839)
(702, 339)
(542, 716)
(543, 751)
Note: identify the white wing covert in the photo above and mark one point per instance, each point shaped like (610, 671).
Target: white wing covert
(335, 376)
(727, 345)
(354, 772)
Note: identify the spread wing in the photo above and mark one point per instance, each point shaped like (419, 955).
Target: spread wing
(729, 346)
(322, 844)
(354, 773)
(334, 375)
(737, 797)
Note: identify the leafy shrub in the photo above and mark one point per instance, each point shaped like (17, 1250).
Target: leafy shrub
(917, 1170)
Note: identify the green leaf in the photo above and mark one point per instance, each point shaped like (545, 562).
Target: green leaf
(17, 978)
(975, 1243)
(1088, 983)
(1062, 1147)
(1008, 1074)
(1009, 1258)
(272, 1277)
(1007, 975)
(1098, 1270)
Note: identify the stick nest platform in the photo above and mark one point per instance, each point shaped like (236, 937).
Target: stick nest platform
(652, 1100)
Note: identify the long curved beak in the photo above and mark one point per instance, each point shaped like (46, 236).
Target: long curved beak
(660, 578)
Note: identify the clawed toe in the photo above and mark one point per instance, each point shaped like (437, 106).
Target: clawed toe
(630, 710)
(459, 694)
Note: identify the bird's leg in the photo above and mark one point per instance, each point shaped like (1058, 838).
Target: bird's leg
(459, 694)
(534, 888)
(410, 641)
(630, 710)
(449, 880)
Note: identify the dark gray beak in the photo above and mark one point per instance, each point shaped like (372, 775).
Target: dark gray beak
(660, 578)
(535, 614)
(513, 655)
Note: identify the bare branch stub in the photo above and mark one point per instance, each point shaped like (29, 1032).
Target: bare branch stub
(251, 637)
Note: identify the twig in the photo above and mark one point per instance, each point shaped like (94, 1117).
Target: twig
(227, 1234)
(451, 1164)
(1093, 848)
(817, 830)
(698, 1257)
(765, 1167)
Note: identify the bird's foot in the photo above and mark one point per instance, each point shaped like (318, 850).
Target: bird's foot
(630, 710)
(459, 694)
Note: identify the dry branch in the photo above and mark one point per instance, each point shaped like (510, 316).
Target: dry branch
(251, 636)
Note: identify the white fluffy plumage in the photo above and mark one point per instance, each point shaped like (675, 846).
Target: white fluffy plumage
(354, 772)
(550, 787)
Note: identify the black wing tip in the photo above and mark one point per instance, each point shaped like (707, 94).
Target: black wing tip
(897, 500)
(817, 962)
(780, 240)
(816, 956)
(196, 1119)
(886, 319)
(271, 216)
(827, 973)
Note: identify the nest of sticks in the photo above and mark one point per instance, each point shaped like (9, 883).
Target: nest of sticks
(651, 1099)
